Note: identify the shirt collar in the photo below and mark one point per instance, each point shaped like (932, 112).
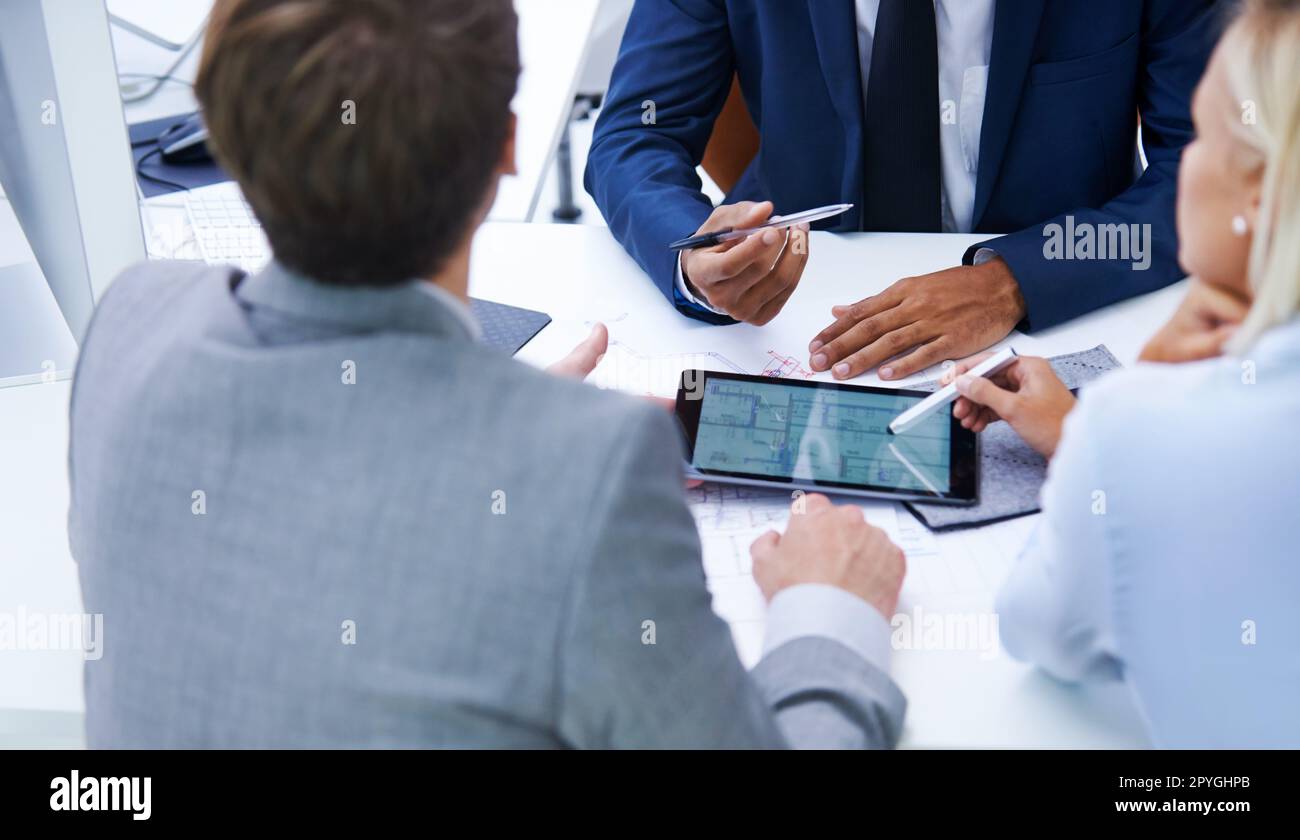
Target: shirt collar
(458, 307)
(414, 306)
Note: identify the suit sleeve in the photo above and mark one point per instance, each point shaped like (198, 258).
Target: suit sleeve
(1177, 38)
(644, 660)
(669, 84)
(1054, 608)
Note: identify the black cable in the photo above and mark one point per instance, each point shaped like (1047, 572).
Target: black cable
(139, 163)
(154, 77)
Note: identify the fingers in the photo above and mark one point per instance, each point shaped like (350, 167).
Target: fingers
(750, 279)
(774, 306)
(972, 415)
(982, 420)
(983, 392)
(584, 358)
(1011, 378)
(925, 355)
(766, 298)
(869, 306)
(743, 214)
(1206, 345)
(977, 417)
(1168, 347)
(853, 515)
(846, 317)
(1024, 371)
(758, 250)
(879, 351)
(764, 546)
(826, 336)
(749, 213)
(809, 503)
(960, 367)
(1218, 306)
(874, 337)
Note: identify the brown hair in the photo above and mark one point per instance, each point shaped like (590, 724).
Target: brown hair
(366, 134)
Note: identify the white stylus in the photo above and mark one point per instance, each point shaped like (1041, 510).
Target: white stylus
(948, 393)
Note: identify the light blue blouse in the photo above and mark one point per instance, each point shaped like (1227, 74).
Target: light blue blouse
(1169, 550)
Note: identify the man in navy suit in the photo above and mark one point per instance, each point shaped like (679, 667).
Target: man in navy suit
(1011, 117)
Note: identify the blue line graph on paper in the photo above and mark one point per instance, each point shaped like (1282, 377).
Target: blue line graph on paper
(780, 366)
(625, 368)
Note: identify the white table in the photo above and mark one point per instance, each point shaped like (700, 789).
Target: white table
(579, 274)
(957, 698)
(36, 569)
(553, 43)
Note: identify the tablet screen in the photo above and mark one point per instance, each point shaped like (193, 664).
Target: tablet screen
(823, 434)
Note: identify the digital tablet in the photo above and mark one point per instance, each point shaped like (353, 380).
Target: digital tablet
(822, 436)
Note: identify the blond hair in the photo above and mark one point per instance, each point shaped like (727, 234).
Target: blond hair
(1261, 54)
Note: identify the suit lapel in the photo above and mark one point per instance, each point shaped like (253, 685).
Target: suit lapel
(1015, 31)
(835, 29)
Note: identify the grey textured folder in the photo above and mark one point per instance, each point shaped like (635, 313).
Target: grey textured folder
(507, 328)
(1011, 474)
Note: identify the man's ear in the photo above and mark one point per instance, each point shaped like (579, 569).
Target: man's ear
(506, 166)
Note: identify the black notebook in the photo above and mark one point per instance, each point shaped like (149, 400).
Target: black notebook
(507, 328)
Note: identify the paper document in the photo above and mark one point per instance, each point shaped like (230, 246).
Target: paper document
(729, 519)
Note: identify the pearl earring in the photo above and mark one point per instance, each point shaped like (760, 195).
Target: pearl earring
(1239, 225)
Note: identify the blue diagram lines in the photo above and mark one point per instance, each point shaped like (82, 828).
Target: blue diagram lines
(807, 433)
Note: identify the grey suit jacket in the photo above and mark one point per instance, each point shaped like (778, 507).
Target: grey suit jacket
(319, 517)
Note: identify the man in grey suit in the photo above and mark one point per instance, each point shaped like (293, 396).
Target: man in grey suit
(314, 512)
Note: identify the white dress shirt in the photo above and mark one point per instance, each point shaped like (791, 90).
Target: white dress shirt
(964, 29)
(458, 307)
(965, 40)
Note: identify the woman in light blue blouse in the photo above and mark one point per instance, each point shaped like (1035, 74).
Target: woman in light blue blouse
(1169, 552)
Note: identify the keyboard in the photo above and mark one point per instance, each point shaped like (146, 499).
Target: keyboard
(225, 228)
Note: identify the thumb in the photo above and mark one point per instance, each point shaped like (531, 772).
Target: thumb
(764, 545)
(584, 358)
(736, 216)
(981, 391)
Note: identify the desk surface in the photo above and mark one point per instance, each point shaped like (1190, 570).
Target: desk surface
(578, 274)
(956, 698)
(552, 44)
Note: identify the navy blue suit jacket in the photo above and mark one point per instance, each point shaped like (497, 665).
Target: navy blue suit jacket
(1067, 81)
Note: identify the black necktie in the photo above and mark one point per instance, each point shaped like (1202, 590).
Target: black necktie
(901, 166)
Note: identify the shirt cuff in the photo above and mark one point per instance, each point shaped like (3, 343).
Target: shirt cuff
(982, 256)
(815, 609)
(685, 291)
